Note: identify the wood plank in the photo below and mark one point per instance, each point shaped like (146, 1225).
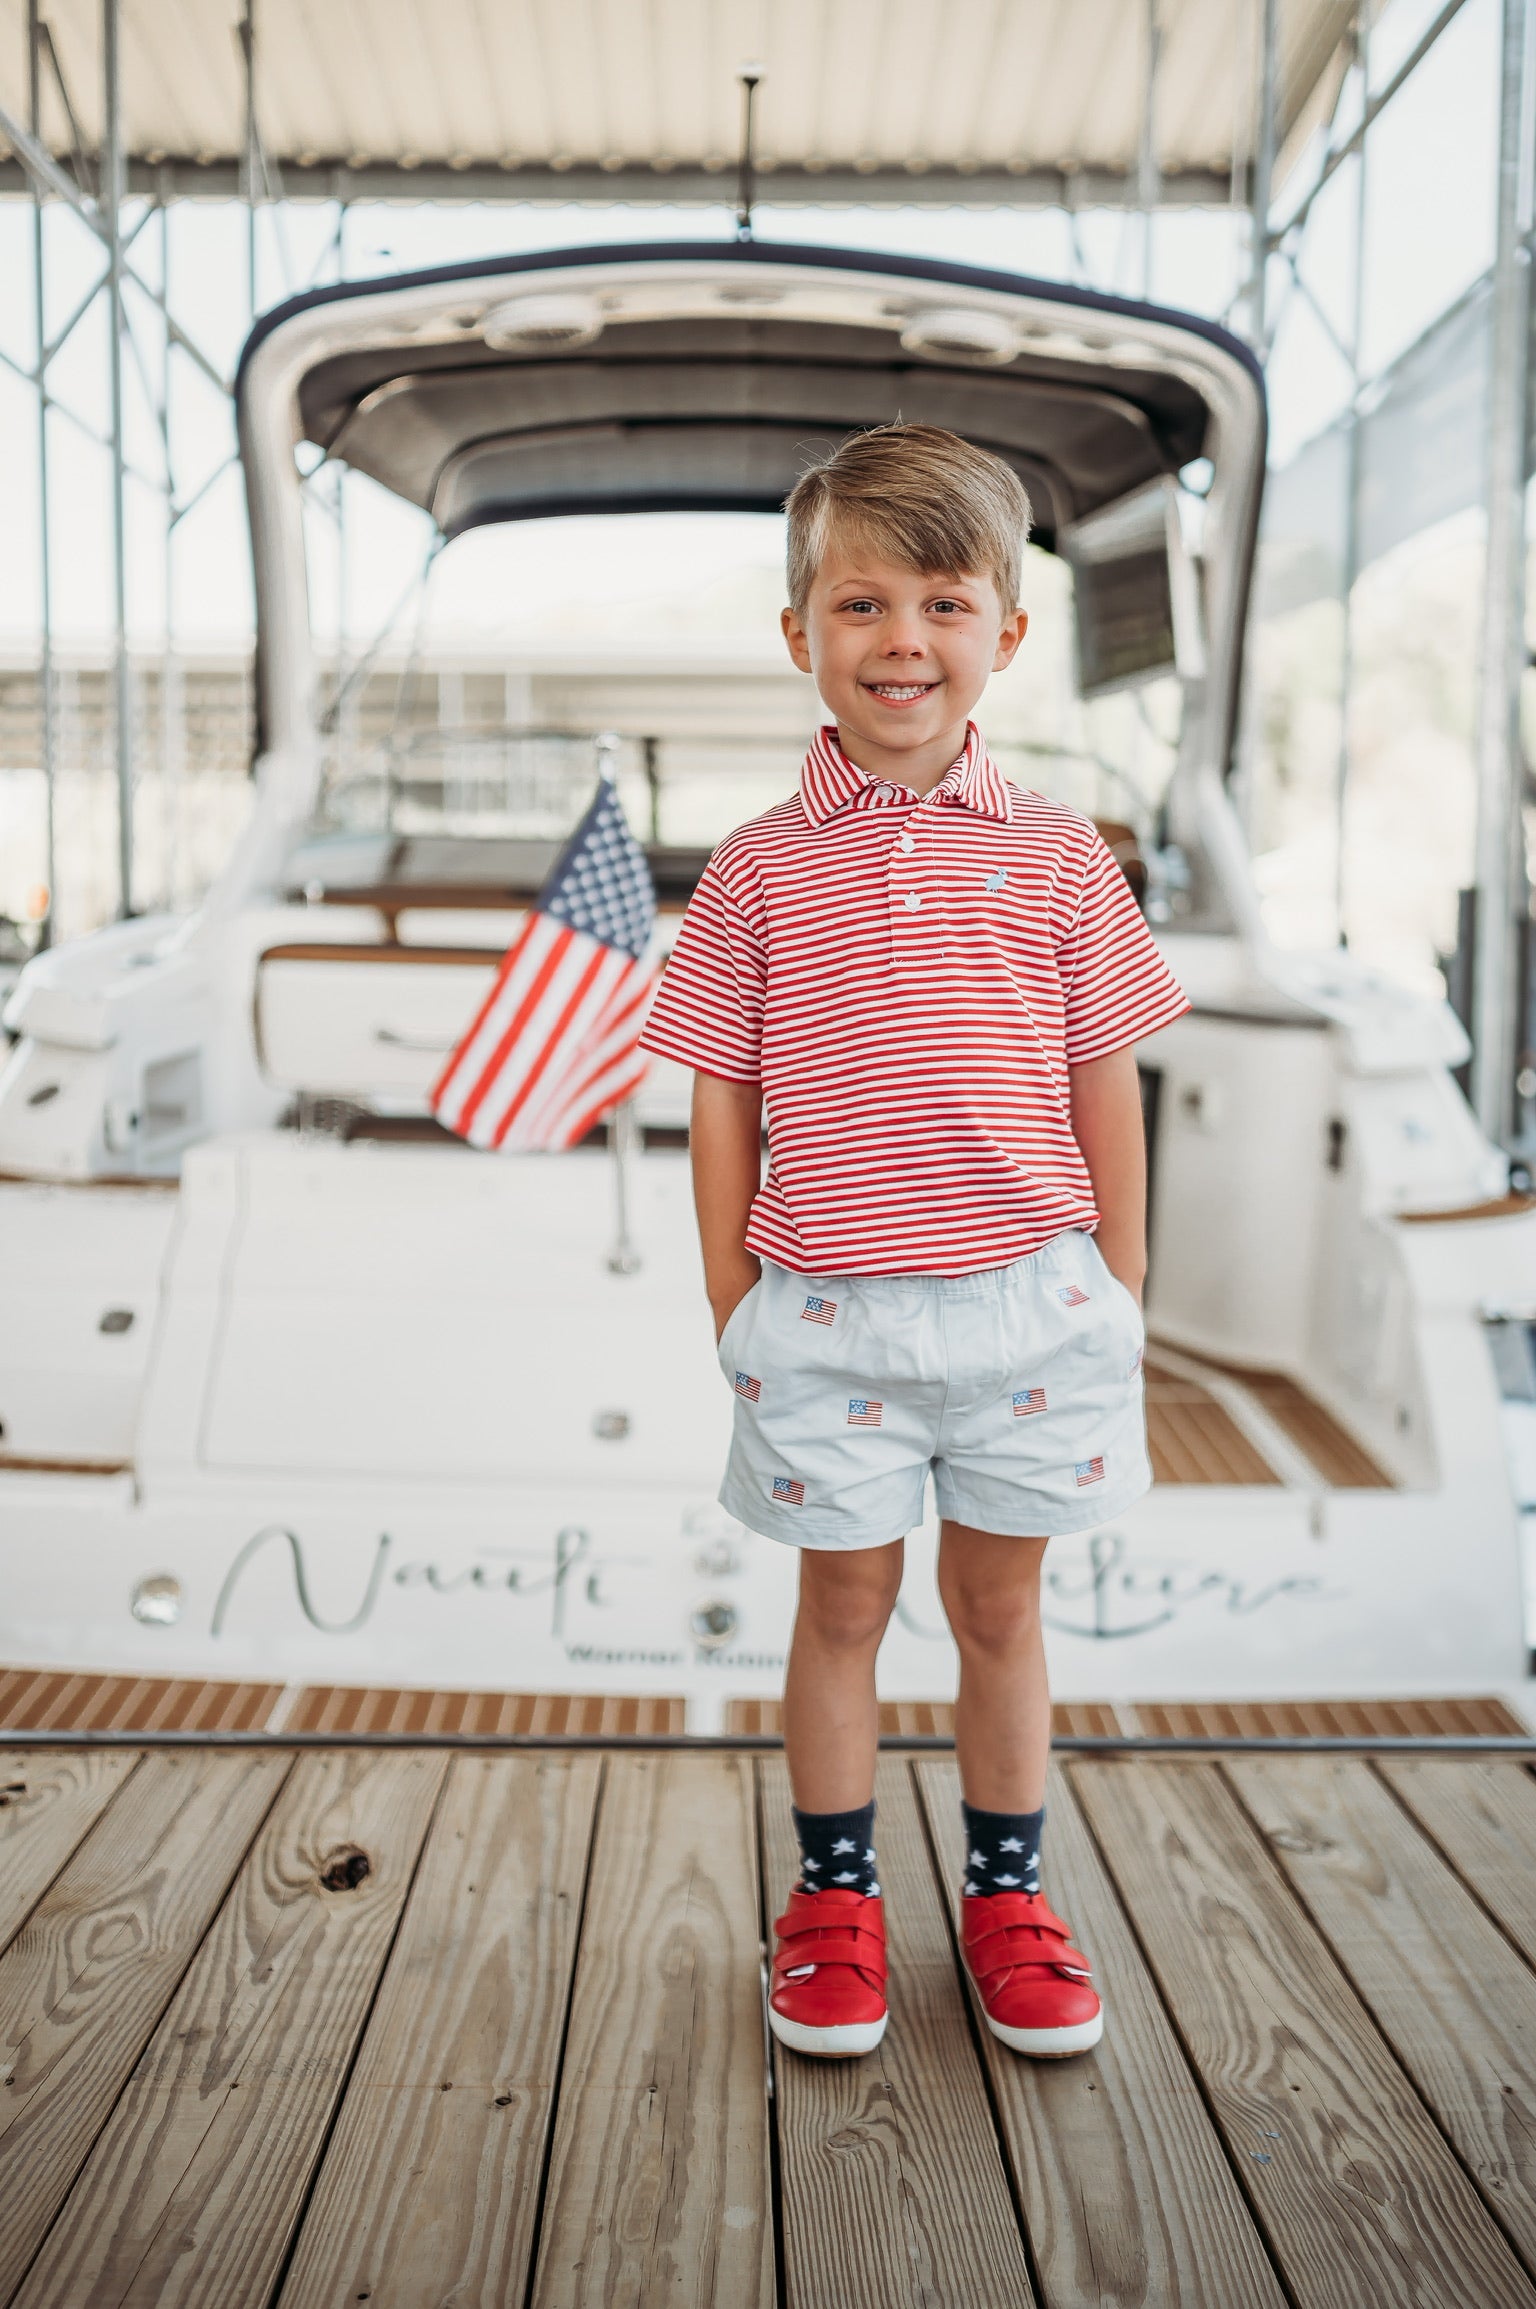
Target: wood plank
(1127, 2194)
(1483, 1817)
(48, 1801)
(83, 1986)
(658, 2183)
(1359, 2196)
(1339, 1719)
(52, 1700)
(893, 2187)
(1453, 1999)
(455, 2084)
(386, 1708)
(193, 2190)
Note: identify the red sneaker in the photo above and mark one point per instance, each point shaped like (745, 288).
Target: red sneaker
(827, 1995)
(1036, 1989)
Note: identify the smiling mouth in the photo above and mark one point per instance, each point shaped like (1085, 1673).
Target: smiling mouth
(900, 693)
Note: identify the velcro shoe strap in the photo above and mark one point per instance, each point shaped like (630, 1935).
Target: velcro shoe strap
(833, 1944)
(1009, 1947)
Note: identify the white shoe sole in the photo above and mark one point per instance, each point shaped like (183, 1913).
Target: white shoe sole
(844, 2043)
(1049, 2043)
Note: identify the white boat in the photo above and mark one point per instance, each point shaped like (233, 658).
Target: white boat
(294, 1393)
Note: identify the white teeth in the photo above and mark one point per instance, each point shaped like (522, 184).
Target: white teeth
(889, 689)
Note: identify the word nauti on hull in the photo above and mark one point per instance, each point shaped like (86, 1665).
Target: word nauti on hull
(298, 1390)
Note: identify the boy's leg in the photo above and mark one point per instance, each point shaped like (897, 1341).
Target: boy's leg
(990, 1589)
(1036, 1989)
(830, 1719)
(827, 1992)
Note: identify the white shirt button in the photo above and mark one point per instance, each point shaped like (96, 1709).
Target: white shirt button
(884, 793)
(906, 843)
(913, 901)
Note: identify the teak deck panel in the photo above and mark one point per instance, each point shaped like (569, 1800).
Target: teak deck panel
(290, 2030)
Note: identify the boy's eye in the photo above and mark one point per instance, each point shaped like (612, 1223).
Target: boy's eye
(861, 603)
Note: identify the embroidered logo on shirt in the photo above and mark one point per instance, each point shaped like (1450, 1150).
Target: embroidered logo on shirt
(1027, 1400)
(1071, 1296)
(862, 1412)
(996, 878)
(748, 1386)
(1089, 1471)
(793, 1494)
(818, 1311)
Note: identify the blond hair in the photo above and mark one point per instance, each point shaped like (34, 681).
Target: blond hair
(914, 495)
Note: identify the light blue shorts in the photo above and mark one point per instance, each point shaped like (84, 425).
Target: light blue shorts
(1018, 1388)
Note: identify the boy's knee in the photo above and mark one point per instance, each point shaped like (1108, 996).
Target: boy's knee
(848, 1602)
(987, 1618)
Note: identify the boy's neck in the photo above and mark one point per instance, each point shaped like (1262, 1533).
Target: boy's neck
(920, 767)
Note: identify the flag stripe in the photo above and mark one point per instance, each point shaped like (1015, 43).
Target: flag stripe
(562, 1031)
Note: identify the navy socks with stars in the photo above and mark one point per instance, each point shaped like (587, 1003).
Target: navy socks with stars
(1002, 1850)
(837, 1849)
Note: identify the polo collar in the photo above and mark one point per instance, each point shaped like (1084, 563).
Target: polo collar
(829, 781)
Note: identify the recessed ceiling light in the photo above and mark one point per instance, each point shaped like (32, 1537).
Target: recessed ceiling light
(553, 322)
(962, 333)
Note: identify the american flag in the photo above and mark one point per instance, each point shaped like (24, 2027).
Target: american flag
(1089, 1471)
(818, 1311)
(748, 1386)
(792, 1493)
(1071, 1296)
(863, 1412)
(1027, 1400)
(553, 1045)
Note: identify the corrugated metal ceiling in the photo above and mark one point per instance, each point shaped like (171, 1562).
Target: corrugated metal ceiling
(866, 95)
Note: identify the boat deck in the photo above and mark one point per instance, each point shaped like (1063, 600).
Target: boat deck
(411, 2025)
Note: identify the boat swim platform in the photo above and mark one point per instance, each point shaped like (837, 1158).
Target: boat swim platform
(403, 2024)
(76, 1702)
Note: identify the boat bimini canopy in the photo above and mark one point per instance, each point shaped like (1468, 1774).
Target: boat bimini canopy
(705, 376)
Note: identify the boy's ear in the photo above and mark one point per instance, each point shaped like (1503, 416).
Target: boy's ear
(797, 640)
(1014, 630)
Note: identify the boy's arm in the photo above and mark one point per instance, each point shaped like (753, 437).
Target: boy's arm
(1107, 1124)
(725, 1143)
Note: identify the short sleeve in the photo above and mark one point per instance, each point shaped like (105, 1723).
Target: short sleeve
(708, 1011)
(1115, 984)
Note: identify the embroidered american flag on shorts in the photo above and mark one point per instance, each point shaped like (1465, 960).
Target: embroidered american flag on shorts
(1089, 1471)
(819, 1311)
(555, 1044)
(748, 1386)
(863, 1412)
(1071, 1296)
(1027, 1400)
(786, 1489)
(1135, 1364)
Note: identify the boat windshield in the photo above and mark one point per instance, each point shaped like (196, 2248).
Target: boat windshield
(460, 739)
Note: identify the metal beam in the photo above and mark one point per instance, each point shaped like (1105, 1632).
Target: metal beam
(1263, 172)
(111, 208)
(44, 527)
(180, 177)
(1503, 898)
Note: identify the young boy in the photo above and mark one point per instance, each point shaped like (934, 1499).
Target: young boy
(933, 978)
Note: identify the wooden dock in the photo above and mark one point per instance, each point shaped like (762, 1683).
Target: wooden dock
(425, 2026)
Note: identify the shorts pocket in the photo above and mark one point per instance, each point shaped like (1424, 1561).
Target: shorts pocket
(735, 1323)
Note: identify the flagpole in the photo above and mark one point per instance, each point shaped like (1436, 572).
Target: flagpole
(623, 1130)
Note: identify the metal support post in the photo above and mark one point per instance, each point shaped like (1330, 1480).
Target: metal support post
(1148, 175)
(111, 205)
(250, 164)
(1350, 556)
(1263, 173)
(45, 541)
(1502, 887)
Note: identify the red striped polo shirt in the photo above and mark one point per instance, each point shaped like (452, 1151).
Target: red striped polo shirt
(909, 977)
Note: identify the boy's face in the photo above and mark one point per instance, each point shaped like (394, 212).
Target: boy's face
(899, 658)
